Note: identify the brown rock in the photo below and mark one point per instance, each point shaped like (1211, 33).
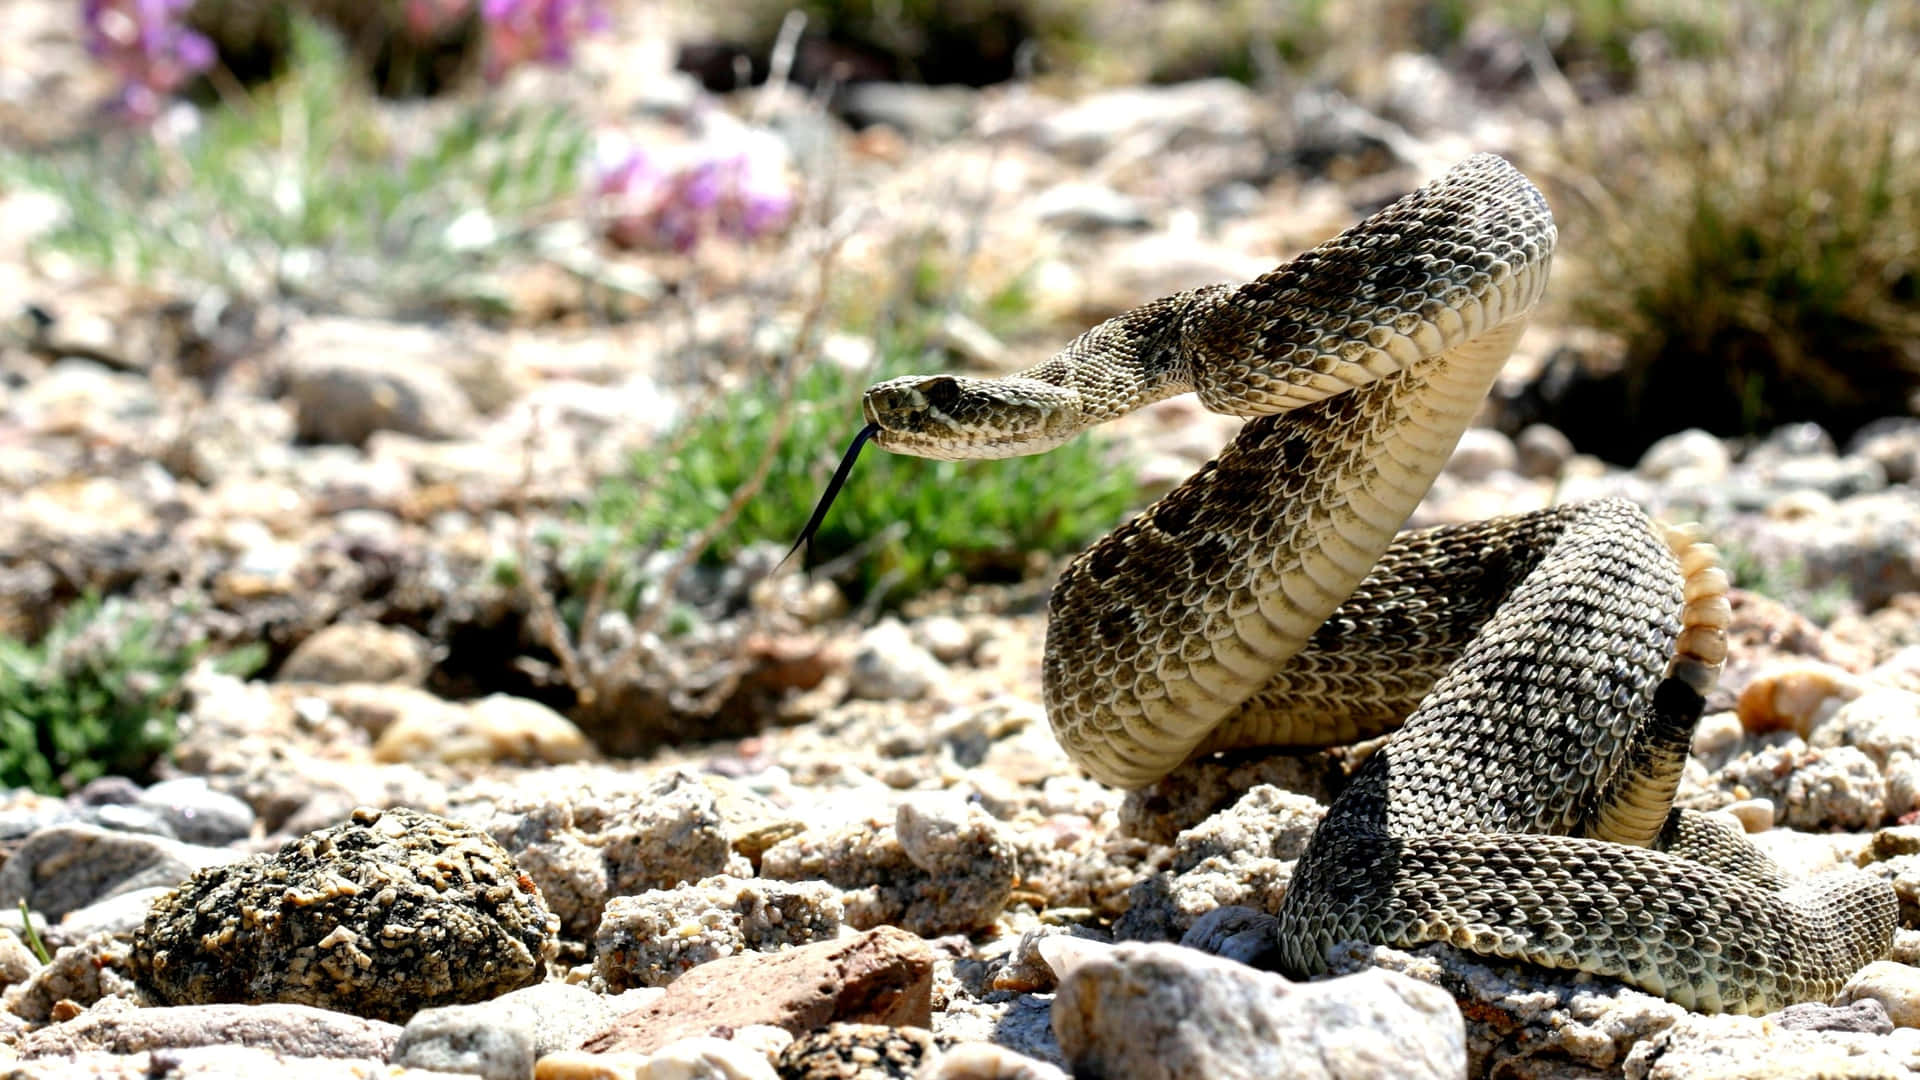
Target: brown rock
(884, 976)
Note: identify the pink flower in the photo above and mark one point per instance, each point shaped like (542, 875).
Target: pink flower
(147, 45)
(653, 203)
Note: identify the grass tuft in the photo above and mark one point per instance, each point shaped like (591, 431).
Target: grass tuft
(909, 523)
(305, 192)
(96, 696)
(1751, 228)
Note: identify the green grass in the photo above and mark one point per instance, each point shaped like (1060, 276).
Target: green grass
(1788, 581)
(916, 522)
(1749, 228)
(96, 696)
(303, 191)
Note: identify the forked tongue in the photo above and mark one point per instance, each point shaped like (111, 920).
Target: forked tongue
(833, 489)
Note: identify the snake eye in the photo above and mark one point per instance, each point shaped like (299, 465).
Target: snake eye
(942, 393)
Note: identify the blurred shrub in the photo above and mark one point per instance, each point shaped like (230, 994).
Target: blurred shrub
(310, 192)
(96, 696)
(1751, 227)
(975, 42)
(403, 48)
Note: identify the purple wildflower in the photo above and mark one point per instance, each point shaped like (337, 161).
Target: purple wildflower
(147, 45)
(741, 192)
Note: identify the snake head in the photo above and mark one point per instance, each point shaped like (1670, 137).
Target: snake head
(954, 417)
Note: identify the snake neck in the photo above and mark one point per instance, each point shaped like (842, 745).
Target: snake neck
(1131, 360)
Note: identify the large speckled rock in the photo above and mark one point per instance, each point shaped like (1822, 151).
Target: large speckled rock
(391, 913)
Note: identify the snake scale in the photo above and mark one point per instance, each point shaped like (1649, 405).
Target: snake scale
(1545, 671)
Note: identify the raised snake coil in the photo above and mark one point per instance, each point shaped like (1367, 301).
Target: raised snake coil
(1546, 670)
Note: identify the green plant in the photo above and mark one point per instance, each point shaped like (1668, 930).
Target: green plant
(27, 931)
(308, 192)
(95, 696)
(913, 521)
(1749, 227)
(1786, 580)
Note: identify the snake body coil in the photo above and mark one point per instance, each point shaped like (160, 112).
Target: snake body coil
(1545, 670)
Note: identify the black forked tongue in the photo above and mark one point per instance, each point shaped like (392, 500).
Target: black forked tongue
(833, 489)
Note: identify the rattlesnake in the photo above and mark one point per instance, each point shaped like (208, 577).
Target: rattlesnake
(1545, 670)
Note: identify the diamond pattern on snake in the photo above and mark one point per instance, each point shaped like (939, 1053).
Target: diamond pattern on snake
(1544, 671)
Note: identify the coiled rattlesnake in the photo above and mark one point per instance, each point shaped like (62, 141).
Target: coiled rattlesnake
(1546, 670)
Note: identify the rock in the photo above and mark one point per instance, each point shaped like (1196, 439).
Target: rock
(17, 961)
(1525, 1020)
(1834, 477)
(1795, 696)
(1836, 787)
(673, 833)
(987, 1061)
(1541, 451)
(198, 814)
(461, 1039)
(888, 666)
(1026, 970)
(1865, 1016)
(1895, 987)
(654, 938)
(884, 976)
(1894, 841)
(391, 913)
(947, 638)
(359, 653)
(1865, 543)
(348, 379)
(502, 1038)
(67, 867)
(1153, 1011)
(1210, 110)
(1790, 442)
(1241, 856)
(698, 1058)
(1691, 457)
(1903, 872)
(1882, 723)
(1754, 815)
(497, 728)
(1234, 932)
(1198, 790)
(118, 915)
(1086, 207)
(1480, 453)
(968, 341)
(1717, 738)
(928, 112)
(856, 1052)
(294, 1030)
(1755, 1048)
(81, 974)
(1894, 443)
(941, 866)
